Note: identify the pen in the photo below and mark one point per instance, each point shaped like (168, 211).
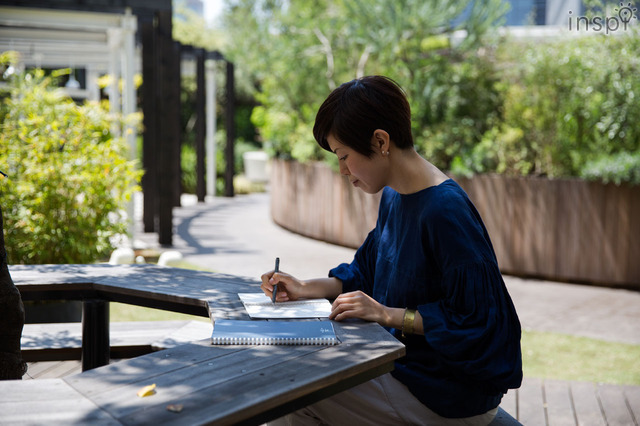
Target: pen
(275, 287)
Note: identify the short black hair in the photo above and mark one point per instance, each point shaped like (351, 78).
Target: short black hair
(353, 111)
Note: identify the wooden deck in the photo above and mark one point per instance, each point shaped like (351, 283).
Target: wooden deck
(537, 402)
(555, 402)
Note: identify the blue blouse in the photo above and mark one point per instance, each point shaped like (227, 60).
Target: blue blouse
(430, 251)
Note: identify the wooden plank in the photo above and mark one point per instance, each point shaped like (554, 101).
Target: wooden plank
(559, 405)
(586, 404)
(614, 405)
(632, 397)
(55, 371)
(62, 369)
(143, 368)
(633, 266)
(45, 402)
(531, 409)
(40, 369)
(68, 411)
(210, 370)
(205, 377)
(69, 335)
(36, 390)
(509, 403)
(274, 383)
(189, 332)
(617, 223)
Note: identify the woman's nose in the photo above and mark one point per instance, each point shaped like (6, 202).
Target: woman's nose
(344, 170)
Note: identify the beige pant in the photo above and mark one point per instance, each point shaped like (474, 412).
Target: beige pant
(381, 401)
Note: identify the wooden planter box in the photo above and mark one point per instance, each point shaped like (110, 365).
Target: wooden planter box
(561, 229)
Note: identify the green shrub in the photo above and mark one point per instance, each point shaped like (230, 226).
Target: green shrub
(188, 161)
(569, 109)
(458, 105)
(617, 168)
(68, 179)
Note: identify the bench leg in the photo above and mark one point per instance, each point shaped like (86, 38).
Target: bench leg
(95, 334)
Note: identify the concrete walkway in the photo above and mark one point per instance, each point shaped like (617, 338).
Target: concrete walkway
(237, 236)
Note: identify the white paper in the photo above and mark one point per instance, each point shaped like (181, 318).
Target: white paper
(258, 305)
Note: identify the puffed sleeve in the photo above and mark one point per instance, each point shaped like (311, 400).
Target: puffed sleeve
(358, 275)
(473, 327)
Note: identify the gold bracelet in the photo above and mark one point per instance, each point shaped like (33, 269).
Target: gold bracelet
(407, 321)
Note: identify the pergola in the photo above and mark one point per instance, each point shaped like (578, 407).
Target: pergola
(121, 38)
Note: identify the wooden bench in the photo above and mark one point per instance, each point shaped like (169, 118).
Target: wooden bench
(252, 384)
(213, 384)
(63, 341)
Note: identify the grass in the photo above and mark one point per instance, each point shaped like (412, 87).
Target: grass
(564, 357)
(122, 312)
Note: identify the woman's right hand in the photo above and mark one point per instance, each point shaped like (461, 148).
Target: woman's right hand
(289, 287)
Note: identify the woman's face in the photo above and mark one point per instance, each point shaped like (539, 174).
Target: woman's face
(368, 174)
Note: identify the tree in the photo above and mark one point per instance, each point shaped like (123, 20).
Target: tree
(298, 51)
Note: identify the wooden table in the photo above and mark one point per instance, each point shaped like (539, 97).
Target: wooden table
(214, 384)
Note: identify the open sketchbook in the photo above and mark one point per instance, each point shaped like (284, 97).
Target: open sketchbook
(258, 305)
(235, 332)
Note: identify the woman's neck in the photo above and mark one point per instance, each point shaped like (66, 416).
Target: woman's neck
(412, 173)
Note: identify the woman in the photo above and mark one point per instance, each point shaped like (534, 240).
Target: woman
(427, 273)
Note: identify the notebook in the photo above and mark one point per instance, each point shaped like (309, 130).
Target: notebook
(236, 332)
(258, 305)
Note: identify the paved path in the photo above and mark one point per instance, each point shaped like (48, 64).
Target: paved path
(237, 236)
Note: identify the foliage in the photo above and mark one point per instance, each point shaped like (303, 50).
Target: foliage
(188, 160)
(617, 168)
(298, 51)
(560, 107)
(568, 105)
(191, 29)
(69, 177)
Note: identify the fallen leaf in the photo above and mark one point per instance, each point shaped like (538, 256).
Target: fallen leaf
(147, 391)
(175, 408)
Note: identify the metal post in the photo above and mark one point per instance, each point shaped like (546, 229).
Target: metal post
(95, 334)
(129, 27)
(176, 128)
(231, 132)
(166, 123)
(211, 127)
(200, 125)
(150, 67)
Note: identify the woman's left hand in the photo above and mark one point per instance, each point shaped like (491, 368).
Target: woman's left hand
(357, 304)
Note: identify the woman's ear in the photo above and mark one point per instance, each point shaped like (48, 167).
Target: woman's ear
(381, 141)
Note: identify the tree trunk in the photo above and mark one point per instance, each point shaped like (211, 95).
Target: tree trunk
(12, 366)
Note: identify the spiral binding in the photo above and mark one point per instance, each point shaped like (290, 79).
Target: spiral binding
(274, 341)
